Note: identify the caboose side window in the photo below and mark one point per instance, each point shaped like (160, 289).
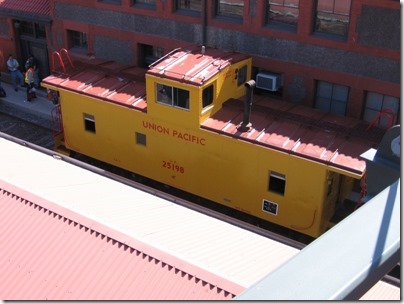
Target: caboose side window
(207, 96)
(242, 75)
(141, 139)
(172, 96)
(277, 183)
(89, 122)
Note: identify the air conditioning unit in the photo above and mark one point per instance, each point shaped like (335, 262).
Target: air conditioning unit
(268, 81)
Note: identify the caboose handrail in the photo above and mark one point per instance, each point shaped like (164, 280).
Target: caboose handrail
(66, 52)
(60, 60)
(59, 56)
(163, 57)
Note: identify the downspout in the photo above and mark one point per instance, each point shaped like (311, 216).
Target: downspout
(204, 21)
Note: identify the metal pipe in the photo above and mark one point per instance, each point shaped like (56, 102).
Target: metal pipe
(245, 125)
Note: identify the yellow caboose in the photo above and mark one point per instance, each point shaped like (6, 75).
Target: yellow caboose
(191, 121)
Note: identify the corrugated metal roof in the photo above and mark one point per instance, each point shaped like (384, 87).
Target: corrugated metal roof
(316, 135)
(51, 253)
(104, 80)
(199, 246)
(194, 65)
(25, 8)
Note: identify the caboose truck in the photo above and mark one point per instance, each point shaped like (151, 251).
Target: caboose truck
(182, 123)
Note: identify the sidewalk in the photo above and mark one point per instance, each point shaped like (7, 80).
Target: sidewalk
(38, 111)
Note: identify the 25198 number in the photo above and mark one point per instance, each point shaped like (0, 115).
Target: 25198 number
(173, 166)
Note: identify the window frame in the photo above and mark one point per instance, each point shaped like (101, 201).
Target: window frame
(170, 96)
(332, 102)
(146, 4)
(241, 74)
(89, 123)
(149, 54)
(193, 7)
(81, 38)
(112, 2)
(221, 13)
(371, 109)
(278, 23)
(209, 96)
(320, 30)
(141, 139)
(276, 183)
(32, 29)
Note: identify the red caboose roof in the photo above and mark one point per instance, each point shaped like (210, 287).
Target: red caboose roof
(302, 131)
(194, 66)
(105, 80)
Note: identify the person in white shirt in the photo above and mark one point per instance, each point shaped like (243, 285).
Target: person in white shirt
(16, 75)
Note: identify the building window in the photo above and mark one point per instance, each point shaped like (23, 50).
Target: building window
(381, 110)
(78, 39)
(277, 183)
(189, 5)
(141, 139)
(207, 96)
(151, 4)
(89, 123)
(35, 30)
(40, 31)
(149, 54)
(332, 17)
(233, 9)
(172, 96)
(331, 97)
(241, 75)
(283, 14)
(116, 2)
(26, 28)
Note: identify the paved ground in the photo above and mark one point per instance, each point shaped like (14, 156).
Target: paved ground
(37, 111)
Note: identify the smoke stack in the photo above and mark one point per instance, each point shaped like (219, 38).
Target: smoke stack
(246, 125)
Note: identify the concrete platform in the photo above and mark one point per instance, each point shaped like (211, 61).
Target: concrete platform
(38, 111)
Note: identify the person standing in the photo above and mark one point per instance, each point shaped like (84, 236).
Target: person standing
(34, 64)
(16, 75)
(29, 80)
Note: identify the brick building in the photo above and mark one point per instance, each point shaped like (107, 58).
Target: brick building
(340, 56)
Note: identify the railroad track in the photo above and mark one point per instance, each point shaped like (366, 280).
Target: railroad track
(26, 131)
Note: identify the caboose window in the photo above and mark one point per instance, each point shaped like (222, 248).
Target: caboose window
(277, 183)
(172, 96)
(89, 122)
(141, 139)
(242, 75)
(207, 96)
